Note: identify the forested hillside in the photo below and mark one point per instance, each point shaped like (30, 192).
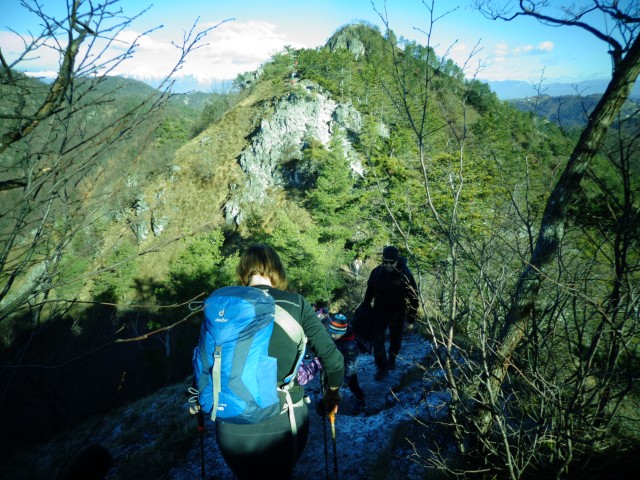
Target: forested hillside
(571, 112)
(122, 203)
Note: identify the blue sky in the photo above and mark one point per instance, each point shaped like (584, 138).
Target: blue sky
(518, 50)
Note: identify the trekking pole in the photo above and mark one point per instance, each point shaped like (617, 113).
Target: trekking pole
(194, 408)
(201, 432)
(332, 420)
(324, 431)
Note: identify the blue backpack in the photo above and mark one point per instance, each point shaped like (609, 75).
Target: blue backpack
(234, 375)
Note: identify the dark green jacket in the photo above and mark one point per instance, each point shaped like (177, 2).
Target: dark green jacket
(282, 348)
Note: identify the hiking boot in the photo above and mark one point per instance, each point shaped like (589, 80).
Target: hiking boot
(381, 374)
(392, 363)
(358, 407)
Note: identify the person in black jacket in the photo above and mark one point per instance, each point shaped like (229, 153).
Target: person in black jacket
(394, 293)
(265, 448)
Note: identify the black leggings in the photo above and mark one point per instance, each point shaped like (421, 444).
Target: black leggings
(263, 449)
(395, 322)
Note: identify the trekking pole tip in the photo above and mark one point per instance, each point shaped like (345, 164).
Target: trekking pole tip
(332, 414)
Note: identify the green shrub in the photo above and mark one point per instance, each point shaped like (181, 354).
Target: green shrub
(201, 268)
(120, 267)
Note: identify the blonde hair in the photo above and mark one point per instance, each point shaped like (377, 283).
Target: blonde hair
(261, 259)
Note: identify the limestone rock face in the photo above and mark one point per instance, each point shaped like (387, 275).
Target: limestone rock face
(306, 111)
(348, 39)
(139, 222)
(245, 161)
(245, 80)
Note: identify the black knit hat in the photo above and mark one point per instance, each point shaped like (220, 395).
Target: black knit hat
(390, 253)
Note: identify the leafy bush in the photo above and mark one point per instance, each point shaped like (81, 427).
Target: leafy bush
(312, 266)
(121, 266)
(201, 268)
(172, 131)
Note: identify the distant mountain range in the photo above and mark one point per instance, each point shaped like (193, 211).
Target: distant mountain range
(504, 89)
(516, 89)
(189, 84)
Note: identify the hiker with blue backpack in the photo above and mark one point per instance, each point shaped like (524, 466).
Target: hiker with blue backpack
(245, 367)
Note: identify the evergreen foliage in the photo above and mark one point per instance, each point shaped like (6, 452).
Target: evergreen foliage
(456, 178)
(331, 200)
(313, 264)
(200, 269)
(217, 106)
(114, 284)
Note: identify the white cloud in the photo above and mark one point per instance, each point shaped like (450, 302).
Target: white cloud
(126, 38)
(523, 50)
(470, 59)
(228, 50)
(520, 62)
(503, 49)
(43, 58)
(459, 53)
(545, 46)
(42, 74)
(11, 43)
(231, 48)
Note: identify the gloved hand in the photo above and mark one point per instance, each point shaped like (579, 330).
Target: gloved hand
(331, 399)
(194, 406)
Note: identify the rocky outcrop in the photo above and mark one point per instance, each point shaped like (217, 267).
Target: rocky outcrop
(245, 159)
(348, 39)
(245, 80)
(138, 222)
(307, 111)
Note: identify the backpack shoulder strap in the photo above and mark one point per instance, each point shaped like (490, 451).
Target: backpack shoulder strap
(216, 372)
(295, 332)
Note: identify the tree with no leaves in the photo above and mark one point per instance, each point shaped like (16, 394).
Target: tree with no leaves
(55, 142)
(568, 332)
(58, 142)
(553, 358)
(623, 43)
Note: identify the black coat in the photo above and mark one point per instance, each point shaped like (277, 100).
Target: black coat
(393, 293)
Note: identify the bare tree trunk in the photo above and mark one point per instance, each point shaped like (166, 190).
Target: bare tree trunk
(551, 230)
